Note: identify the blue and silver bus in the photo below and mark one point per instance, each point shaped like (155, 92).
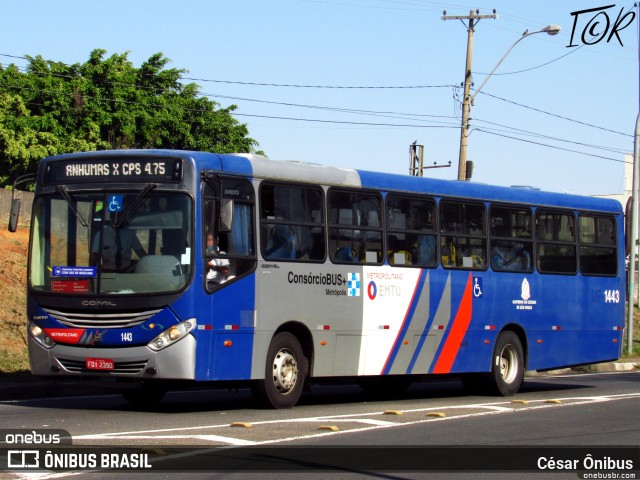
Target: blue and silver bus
(159, 269)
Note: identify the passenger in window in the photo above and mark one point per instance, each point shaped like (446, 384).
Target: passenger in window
(346, 254)
(510, 258)
(396, 252)
(424, 250)
(218, 267)
(448, 253)
(281, 243)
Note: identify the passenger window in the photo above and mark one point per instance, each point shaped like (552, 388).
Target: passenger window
(411, 232)
(597, 250)
(463, 242)
(556, 249)
(355, 227)
(511, 239)
(292, 223)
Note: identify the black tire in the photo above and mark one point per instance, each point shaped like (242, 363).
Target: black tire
(507, 365)
(144, 396)
(286, 370)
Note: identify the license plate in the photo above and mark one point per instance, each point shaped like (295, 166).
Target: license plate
(100, 364)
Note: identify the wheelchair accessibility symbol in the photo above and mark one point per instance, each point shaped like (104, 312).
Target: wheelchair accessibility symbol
(115, 203)
(477, 287)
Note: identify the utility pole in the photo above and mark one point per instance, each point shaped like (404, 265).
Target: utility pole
(416, 154)
(474, 17)
(416, 160)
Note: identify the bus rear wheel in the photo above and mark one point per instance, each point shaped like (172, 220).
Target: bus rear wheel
(507, 370)
(285, 372)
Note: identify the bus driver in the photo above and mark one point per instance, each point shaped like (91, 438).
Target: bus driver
(219, 267)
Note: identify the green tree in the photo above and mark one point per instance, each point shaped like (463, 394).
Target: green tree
(54, 108)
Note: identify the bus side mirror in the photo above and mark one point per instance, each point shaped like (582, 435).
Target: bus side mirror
(15, 213)
(226, 215)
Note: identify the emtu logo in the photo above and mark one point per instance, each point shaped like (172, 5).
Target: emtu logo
(372, 290)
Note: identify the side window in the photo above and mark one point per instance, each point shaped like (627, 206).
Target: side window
(511, 231)
(292, 223)
(228, 231)
(355, 227)
(556, 248)
(597, 245)
(411, 232)
(463, 242)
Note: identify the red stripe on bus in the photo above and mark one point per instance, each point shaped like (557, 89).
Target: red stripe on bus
(457, 332)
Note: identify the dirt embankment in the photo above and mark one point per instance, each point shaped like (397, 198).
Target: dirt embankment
(13, 273)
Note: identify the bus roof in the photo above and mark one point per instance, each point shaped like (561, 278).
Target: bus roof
(262, 167)
(320, 174)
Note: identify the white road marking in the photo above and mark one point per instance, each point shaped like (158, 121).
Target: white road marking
(494, 408)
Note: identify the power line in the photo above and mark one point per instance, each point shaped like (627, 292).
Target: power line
(548, 137)
(156, 105)
(536, 67)
(314, 120)
(337, 122)
(285, 85)
(335, 87)
(555, 115)
(549, 146)
(375, 113)
(352, 111)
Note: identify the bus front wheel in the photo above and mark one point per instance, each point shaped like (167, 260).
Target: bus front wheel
(285, 372)
(507, 370)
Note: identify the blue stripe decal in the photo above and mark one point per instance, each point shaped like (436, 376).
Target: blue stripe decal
(407, 322)
(434, 304)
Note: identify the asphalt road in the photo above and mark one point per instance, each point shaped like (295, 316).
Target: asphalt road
(598, 409)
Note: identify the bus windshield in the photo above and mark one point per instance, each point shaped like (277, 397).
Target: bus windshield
(111, 243)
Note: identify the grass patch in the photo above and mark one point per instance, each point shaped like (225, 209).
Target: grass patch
(14, 361)
(635, 351)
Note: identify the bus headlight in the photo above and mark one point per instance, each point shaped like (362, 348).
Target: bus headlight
(40, 336)
(172, 335)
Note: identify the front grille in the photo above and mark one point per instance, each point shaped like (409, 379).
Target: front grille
(79, 366)
(101, 320)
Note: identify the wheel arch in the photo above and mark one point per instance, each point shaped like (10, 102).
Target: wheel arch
(304, 336)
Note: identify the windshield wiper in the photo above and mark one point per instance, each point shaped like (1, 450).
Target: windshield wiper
(133, 208)
(64, 192)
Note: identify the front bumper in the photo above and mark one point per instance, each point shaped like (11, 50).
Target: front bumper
(176, 362)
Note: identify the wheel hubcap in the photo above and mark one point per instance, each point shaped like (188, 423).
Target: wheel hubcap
(285, 371)
(508, 364)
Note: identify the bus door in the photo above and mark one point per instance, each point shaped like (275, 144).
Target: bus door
(229, 263)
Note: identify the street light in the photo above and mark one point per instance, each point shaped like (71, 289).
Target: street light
(468, 98)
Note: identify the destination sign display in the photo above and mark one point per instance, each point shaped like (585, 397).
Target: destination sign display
(113, 169)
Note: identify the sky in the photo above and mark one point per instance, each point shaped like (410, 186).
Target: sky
(558, 114)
